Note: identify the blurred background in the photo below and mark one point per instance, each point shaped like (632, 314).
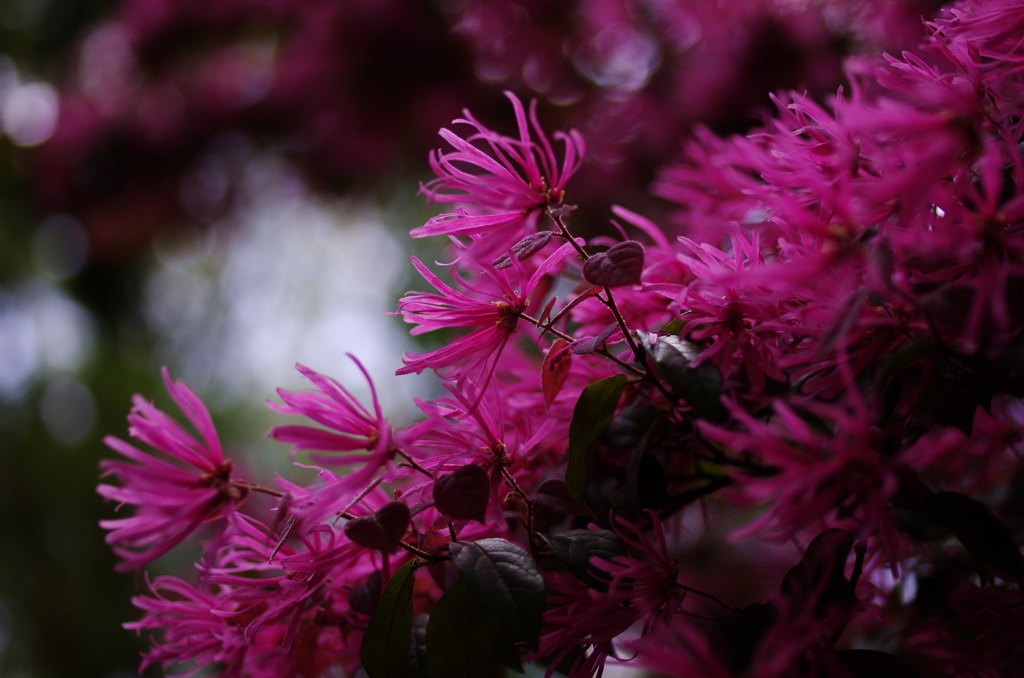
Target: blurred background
(226, 186)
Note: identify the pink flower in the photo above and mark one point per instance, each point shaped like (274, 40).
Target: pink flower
(351, 426)
(172, 498)
(496, 314)
(642, 588)
(518, 178)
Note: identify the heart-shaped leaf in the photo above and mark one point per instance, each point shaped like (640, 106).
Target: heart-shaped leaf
(364, 596)
(526, 247)
(463, 493)
(590, 420)
(588, 346)
(385, 649)
(620, 265)
(575, 548)
(503, 580)
(554, 496)
(381, 530)
(555, 370)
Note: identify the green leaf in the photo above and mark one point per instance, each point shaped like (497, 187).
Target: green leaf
(504, 581)
(673, 327)
(575, 548)
(874, 664)
(700, 387)
(590, 420)
(386, 642)
(463, 641)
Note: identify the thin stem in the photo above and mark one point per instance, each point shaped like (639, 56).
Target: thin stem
(568, 236)
(412, 462)
(529, 504)
(256, 487)
(535, 321)
(602, 352)
(610, 303)
(698, 592)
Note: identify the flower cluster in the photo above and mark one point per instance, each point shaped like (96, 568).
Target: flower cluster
(827, 355)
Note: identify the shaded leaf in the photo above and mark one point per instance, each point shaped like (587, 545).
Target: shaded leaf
(526, 247)
(386, 640)
(947, 401)
(463, 640)
(381, 530)
(364, 596)
(554, 496)
(416, 659)
(981, 533)
(504, 581)
(590, 420)
(645, 485)
(463, 493)
(631, 423)
(819, 578)
(555, 370)
(700, 386)
(874, 664)
(575, 548)
(734, 639)
(622, 264)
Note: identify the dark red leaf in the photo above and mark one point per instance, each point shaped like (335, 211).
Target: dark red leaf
(381, 530)
(526, 247)
(591, 344)
(463, 493)
(555, 370)
(620, 265)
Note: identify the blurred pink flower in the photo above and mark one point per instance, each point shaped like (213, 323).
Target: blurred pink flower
(173, 499)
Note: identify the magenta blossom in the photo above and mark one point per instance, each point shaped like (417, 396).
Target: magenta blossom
(518, 178)
(350, 426)
(172, 498)
(495, 314)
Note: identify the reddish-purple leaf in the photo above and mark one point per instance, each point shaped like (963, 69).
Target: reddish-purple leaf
(526, 247)
(554, 496)
(363, 597)
(555, 370)
(381, 530)
(591, 344)
(463, 493)
(620, 265)
(592, 292)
